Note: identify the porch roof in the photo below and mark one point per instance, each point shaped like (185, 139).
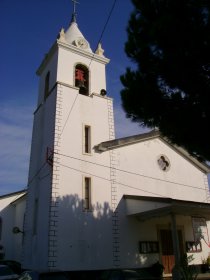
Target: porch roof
(152, 207)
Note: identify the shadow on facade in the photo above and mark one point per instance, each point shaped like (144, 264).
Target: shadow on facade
(98, 238)
(84, 236)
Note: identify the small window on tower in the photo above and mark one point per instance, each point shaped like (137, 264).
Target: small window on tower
(47, 85)
(87, 139)
(82, 79)
(87, 194)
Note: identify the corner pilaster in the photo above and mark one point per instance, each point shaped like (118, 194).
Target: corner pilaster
(54, 204)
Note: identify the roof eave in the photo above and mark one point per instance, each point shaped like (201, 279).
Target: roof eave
(125, 141)
(13, 194)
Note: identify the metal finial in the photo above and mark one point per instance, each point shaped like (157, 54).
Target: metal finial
(73, 19)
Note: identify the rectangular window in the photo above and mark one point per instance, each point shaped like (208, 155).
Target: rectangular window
(87, 194)
(193, 247)
(148, 247)
(87, 139)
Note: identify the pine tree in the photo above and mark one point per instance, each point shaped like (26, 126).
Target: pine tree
(169, 87)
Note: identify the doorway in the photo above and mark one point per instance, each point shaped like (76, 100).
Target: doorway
(166, 242)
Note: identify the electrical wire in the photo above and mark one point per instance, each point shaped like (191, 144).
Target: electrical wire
(102, 33)
(130, 172)
(106, 179)
(105, 26)
(29, 182)
(101, 36)
(125, 171)
(36, 174)
(43, 177)
(69, 114)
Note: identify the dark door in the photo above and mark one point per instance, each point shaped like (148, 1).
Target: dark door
(168, 259)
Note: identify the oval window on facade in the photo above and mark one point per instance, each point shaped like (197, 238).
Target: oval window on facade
(163, 162)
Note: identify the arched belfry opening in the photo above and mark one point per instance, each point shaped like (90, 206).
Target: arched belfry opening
(82, 79)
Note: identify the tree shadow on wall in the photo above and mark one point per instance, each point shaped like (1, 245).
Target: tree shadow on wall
(84, 237)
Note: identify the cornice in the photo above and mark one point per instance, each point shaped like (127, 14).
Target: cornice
(82, 52)
(47, 57)
(60, 44)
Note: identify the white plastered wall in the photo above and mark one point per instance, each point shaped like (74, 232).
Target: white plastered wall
(138, 174)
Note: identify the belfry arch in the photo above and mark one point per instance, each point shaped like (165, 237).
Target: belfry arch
(81, 75)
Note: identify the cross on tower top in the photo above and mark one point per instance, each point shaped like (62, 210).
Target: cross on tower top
(73, 19)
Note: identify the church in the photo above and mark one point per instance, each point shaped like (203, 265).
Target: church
(95, 202)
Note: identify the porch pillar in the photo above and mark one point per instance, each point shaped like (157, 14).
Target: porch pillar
(175, 271)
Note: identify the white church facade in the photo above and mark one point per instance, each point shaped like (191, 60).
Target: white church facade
(95, 202)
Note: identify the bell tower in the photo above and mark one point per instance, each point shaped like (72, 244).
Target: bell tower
(73, 115)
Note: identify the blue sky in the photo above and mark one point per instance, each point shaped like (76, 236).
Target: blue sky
(28, 29)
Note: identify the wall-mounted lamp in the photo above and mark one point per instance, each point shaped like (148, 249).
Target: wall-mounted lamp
(16, 230)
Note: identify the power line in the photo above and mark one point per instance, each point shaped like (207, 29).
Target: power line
(130, 172)
(43, 177)
(106, 179)
(69, 114)
(104, 28)
(109, 16)
(36, 174)
(102, 33)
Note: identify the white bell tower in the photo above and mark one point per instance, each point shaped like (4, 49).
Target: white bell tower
(68, 204)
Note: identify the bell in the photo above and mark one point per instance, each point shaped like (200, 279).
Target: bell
(80, 84)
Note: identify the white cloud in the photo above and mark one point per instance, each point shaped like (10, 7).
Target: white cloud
(124, 126)
(15, 134)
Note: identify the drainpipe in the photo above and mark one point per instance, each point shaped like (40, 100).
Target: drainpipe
(176, 269)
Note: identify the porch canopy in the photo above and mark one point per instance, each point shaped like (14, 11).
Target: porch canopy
(144, 208)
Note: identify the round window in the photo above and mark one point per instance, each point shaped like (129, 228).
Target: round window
(163, 163)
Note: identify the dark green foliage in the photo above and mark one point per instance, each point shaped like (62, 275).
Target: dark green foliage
(187, 272)
(169, 42)
(157, 270)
